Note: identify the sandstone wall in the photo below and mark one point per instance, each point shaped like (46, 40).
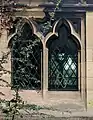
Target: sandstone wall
(89, 59)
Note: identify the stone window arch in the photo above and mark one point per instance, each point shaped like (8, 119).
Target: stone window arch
(64, 48)
(26, 49)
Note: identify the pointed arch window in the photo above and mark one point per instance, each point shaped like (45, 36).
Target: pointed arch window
(63, 61)
(26, 58)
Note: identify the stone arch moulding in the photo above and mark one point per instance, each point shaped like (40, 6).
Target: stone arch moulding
(33, 33)
(72, 33)
(34, 28)
(67, 23)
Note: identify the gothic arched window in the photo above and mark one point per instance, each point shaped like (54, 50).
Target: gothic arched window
(63, 61)
(26, 59)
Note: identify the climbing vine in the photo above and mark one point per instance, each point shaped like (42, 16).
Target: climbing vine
(52, 14)
(7, 22)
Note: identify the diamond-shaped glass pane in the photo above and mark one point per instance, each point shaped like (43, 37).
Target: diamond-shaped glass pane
(62, 76)
(26, 60)
(66, 66)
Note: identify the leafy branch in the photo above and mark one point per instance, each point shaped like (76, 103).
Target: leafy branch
(52, 14)
(13, 106)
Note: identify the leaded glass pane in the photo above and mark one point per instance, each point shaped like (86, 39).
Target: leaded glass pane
(26, 59)
(63, 63)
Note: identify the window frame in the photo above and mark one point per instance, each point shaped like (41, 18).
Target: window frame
(44, 81)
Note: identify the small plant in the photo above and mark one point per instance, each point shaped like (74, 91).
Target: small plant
(9, 107)
(12, 107)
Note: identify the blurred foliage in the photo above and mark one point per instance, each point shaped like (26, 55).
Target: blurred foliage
(13, 106)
